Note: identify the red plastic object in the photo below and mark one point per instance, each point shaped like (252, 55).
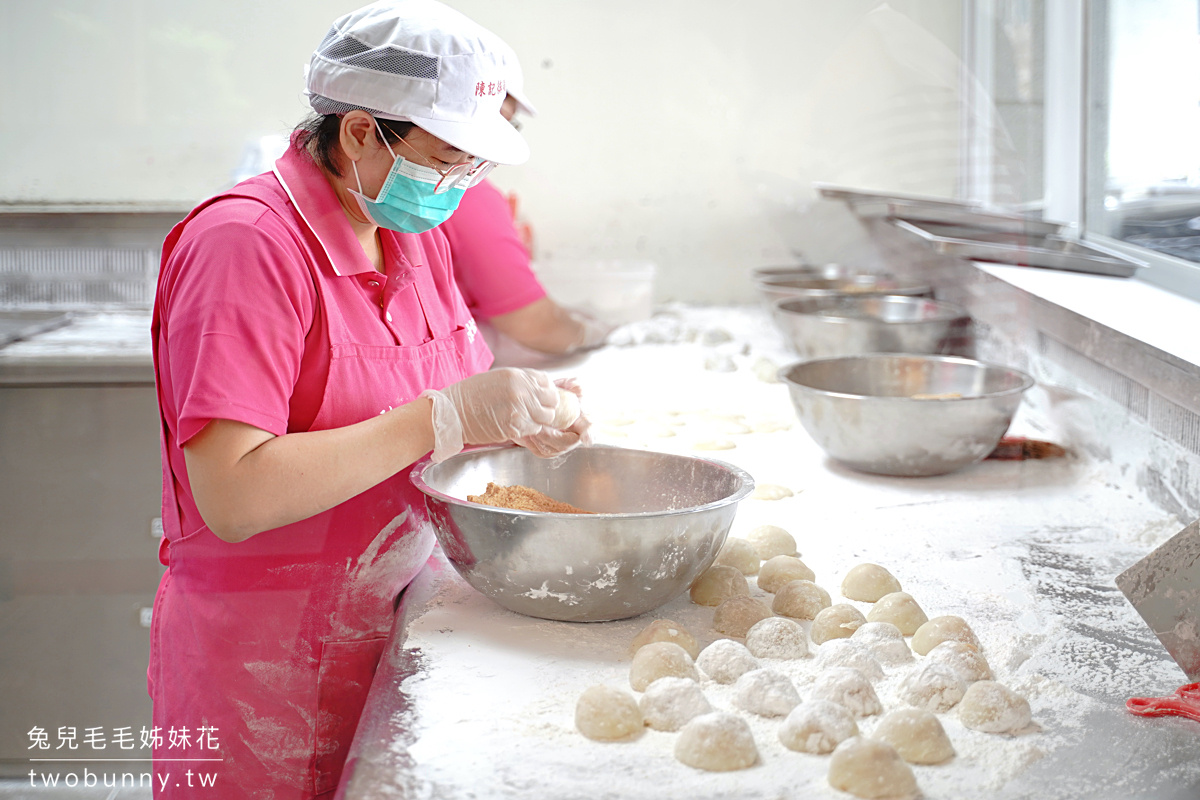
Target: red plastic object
(1184, 703)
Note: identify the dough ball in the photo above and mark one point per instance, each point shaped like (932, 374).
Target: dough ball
(777, 637)
(800, 600)
(567, 410)
(604, 714)
(836, 622)
(849, 688)
(665, 630)
(737, 615)
(726, 660)
(941, 629)
(739, 554)
(718, 742)
(765, 692)
(817, 726)
(848, 653)
(870, 769)
(770, 541)
(885, 641)
(771, 491)
(868, 583)
(660, 660)
(968, 662)
(779, 570)
(932, 686)
(916, 734)
(900, 609)
(993, 708)
(717, 584)
(669, 703)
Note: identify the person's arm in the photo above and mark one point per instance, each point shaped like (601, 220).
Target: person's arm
(547, 327)
(246, 480)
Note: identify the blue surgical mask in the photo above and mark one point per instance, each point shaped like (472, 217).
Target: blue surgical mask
(407, 201)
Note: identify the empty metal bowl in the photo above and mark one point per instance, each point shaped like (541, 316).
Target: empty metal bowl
(823, 327)
(660, 521)
(780, 287)
(906, 415)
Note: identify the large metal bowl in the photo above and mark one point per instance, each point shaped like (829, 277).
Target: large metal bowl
(661, 520)
(823, 327)
(903, 414)
(780, 287)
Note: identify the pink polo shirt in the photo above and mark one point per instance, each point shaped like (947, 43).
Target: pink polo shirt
(248, 298)
(491, 264)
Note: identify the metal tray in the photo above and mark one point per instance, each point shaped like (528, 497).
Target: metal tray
(1046, 251)
(17, 324)
(915, 208)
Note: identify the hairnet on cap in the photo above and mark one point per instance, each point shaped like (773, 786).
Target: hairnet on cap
(419, 61)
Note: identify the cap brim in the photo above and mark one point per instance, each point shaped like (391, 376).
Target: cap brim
(523, 104)
(492, 140)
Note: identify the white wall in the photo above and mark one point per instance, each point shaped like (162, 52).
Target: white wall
(683, 132)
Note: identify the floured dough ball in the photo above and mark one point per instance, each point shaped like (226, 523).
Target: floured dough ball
(848, 688)
(726, 660)
(942, 629)
(933, 687)
(968, 662)
(871, 769)
(665, 630)
(817, 726)
(669, 703)
(765, 692)
(770, 541)
(714, 444)
(739, 554)
(916, 734)
(717, 584)
(567, 410)
(776, 637)
(718, 741)
(848, 653)
(868, 583)
(900, 609)
(771, 491)
(885, 641)
(993, 708)
(800, 600)
(737, 615)
(836, 622)
(604, 714)
(660, 660)
(778, 570)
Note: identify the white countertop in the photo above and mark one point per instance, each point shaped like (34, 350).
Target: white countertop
(1024, 551)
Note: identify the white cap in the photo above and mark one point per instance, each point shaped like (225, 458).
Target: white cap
(515, 83)
(422, 62)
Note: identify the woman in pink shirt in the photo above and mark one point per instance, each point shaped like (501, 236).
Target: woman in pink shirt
(492, 252)
(310, 345)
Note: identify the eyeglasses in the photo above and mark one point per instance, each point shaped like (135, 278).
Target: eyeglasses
(466, 174)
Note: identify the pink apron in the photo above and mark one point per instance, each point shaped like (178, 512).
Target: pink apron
(270, 644)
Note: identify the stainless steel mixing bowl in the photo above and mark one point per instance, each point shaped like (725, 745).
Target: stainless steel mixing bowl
(779, 287)
(823, 327)
(661, 520)
(905, 414)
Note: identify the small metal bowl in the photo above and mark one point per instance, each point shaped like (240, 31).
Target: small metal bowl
(773, 289)
(910, 415)
(824, 327)
(660, 521)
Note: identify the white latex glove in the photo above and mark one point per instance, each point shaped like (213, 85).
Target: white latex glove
(499, 405)
(592, 332)
(550, 441)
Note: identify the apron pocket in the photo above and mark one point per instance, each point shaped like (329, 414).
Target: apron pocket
(343, 678)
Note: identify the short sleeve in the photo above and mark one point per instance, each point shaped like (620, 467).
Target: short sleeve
(239, 302)
(491, 265)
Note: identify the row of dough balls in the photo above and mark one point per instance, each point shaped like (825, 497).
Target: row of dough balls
(664, 670)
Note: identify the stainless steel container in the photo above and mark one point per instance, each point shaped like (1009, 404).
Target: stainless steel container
(827, 327)
(773, 289)
(909, 415)
(660, 521)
